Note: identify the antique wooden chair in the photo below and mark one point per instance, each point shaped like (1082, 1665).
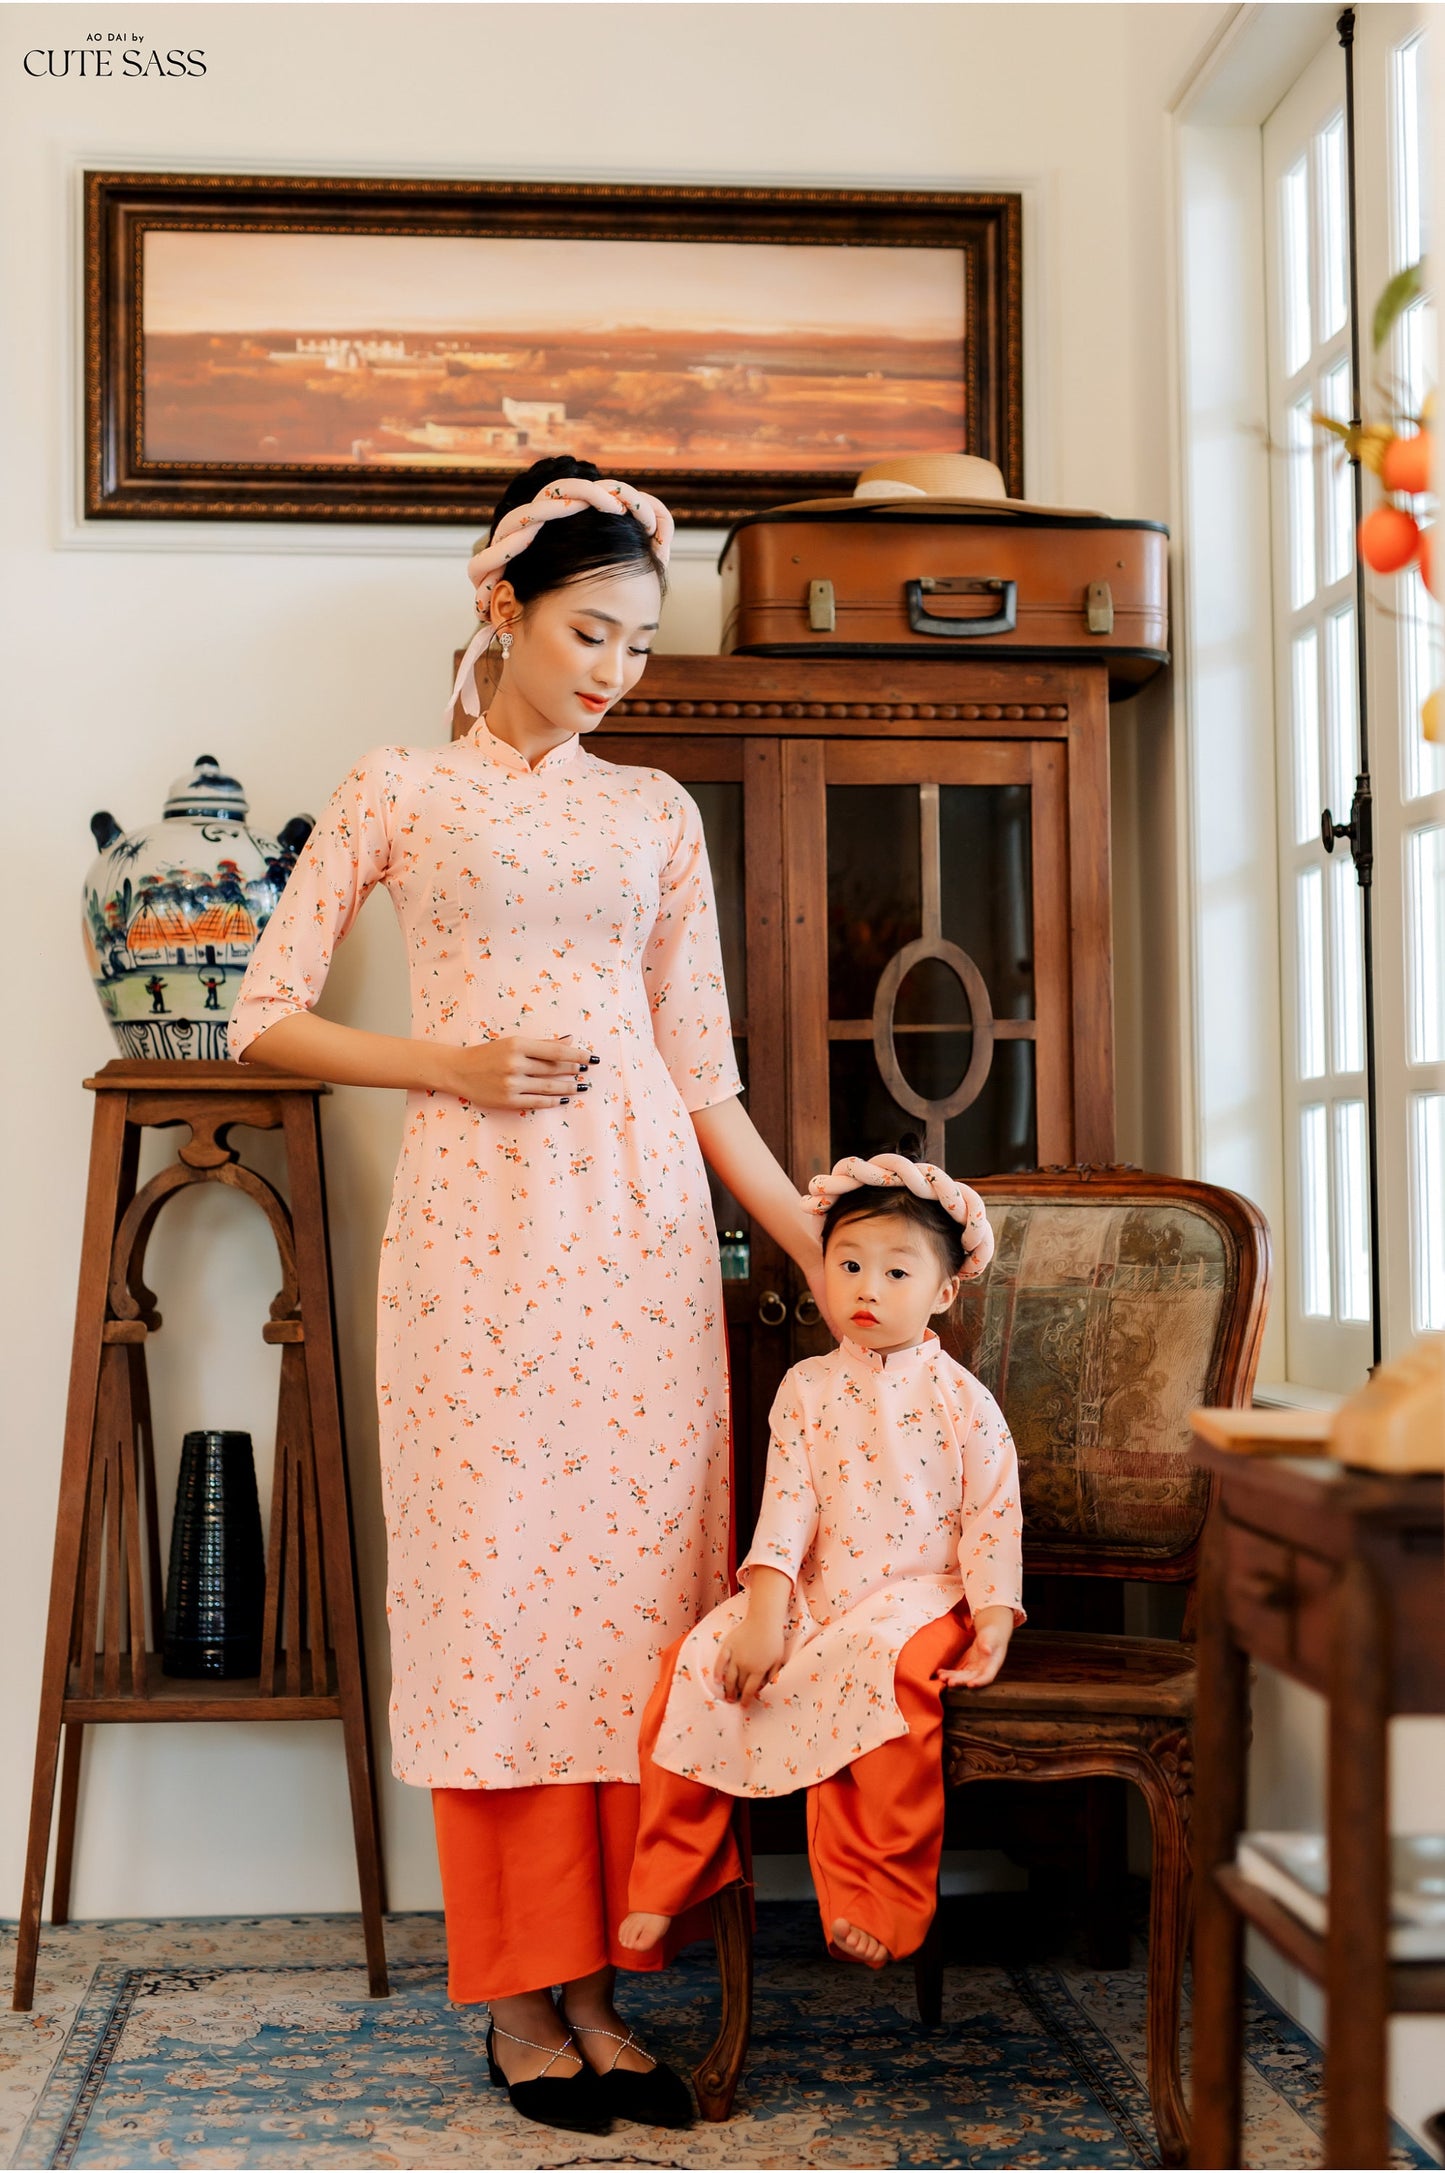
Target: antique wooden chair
(1115, 1304)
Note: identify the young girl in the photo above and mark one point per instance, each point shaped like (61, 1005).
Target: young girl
(886, 1563)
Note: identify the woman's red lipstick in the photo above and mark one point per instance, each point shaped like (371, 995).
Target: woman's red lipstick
(595, 701)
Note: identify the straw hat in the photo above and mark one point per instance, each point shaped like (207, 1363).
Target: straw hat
(931, 475)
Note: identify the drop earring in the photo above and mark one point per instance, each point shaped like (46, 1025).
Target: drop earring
(504, 643)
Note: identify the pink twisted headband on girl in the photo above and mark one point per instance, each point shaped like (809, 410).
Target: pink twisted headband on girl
(925, 1179)
(515, 530)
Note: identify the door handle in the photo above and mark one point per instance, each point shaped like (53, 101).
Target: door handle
(772, 1310)
(807, 1312)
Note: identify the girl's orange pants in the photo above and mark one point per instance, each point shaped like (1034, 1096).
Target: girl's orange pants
(875, 1828)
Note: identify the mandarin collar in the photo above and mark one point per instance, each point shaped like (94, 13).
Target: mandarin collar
(905, 1361)
(507, 757)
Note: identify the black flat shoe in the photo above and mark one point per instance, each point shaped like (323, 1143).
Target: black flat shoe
(659, 2098)
(555, 2101)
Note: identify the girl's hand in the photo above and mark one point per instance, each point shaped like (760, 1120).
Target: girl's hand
(513, 1072)
(992, 1629)
(747, 1658)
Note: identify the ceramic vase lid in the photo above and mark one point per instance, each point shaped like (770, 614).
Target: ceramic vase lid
(206, 794)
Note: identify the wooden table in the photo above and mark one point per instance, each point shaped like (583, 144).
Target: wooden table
(1336, 1578)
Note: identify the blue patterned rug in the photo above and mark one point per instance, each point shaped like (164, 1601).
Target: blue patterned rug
(252, 2043)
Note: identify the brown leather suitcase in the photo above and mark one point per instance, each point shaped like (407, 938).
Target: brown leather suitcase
(946, 577)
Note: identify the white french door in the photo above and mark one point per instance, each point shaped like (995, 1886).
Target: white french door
(1326, 1240)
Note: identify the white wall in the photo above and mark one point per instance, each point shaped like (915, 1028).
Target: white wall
(131, 649)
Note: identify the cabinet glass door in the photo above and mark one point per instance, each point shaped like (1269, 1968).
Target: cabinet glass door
(928, 953)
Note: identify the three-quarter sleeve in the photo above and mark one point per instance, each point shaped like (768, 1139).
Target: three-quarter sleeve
(788, 1517)
(990, 1542)
(682, 967)
(346, 855)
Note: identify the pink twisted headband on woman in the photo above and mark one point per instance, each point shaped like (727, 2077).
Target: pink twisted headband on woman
(925, 1179)
(515, 530)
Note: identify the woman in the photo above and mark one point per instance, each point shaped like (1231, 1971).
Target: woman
(551, 1360)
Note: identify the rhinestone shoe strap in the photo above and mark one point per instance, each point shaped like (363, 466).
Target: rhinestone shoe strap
(624, 2044)
(555, 2050)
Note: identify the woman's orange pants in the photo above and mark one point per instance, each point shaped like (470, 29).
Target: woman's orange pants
(534, 1883)
(875, 1828)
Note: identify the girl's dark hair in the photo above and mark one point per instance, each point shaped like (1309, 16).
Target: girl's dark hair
(877, 1200)
(584, 543)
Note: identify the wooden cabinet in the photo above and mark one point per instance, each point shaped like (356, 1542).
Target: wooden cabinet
(912, 870)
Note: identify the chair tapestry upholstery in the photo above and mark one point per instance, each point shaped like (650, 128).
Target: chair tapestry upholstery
(1097, 1327)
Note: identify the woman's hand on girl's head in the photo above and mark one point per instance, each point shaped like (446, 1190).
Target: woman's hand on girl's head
(808, 1255)
(992, 1629)
(514, 1072)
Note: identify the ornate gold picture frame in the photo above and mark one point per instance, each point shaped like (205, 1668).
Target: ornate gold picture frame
(280, 347)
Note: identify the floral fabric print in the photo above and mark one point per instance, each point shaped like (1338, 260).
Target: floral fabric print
(892, 1492)
(551, 1368)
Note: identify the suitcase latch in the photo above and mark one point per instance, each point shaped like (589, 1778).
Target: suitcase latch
(822, 611)
(1099, 607)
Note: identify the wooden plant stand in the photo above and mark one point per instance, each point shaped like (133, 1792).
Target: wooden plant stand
(104, 1634)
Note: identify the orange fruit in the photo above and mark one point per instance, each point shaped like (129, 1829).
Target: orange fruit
(1427, 559)
(1406, 464)
(1389, 539)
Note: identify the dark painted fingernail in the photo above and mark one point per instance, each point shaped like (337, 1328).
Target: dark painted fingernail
(565, 1099)
(594, 1060)
(583, 1085)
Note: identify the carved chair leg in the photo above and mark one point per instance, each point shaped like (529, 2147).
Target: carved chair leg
(1170, 1897)
(715, 2078)
(928, 1972)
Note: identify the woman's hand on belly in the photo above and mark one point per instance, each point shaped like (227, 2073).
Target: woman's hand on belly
(514, 1072)
(510, 1072)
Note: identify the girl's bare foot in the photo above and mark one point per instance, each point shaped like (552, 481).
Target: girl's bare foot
(642, 1929)
(852, 1945)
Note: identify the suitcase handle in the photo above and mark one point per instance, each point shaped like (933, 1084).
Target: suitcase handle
(927, 622)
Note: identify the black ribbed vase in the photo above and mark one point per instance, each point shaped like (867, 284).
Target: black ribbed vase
(216, 1586)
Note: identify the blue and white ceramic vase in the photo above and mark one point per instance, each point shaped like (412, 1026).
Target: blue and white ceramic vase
(172, 912)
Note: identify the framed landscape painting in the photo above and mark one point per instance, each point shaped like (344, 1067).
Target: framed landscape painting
(282, 348)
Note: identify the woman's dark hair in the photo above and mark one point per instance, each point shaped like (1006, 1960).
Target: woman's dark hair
(584, 543)
(871, 1200)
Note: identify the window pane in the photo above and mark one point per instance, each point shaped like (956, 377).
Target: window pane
(1352, 1197)
(1415, 345)
(1314, 1215)
(1427, 1208)
(1331, 141)
(1425, 942)
(1295, 233)
(1348, 1010)
(1339, 490)
(1310, 921)
(1307, 802)
(1341, 710)
(1420, 670)
(1407, 166)
(1301, 505)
